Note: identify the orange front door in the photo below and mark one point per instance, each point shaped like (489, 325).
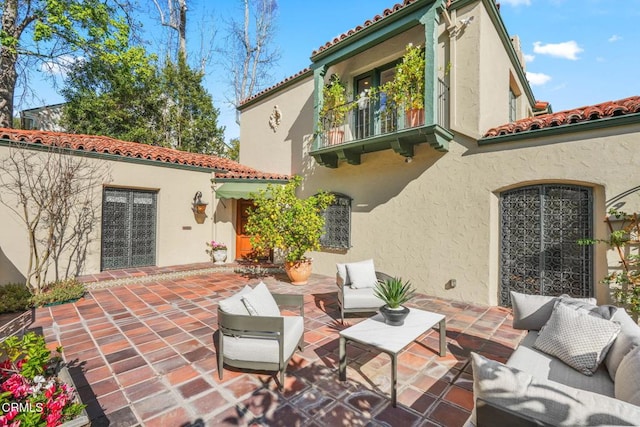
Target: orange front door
(243, 245)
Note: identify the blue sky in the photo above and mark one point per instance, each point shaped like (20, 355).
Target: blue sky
(579, 52)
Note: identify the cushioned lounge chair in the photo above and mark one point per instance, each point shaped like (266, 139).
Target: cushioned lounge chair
(360, 300)
(260, 342)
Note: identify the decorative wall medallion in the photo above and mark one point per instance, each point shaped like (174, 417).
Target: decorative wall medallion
(275, 118)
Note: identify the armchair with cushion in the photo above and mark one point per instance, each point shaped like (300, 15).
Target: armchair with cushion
(252, 333)
(356, 285)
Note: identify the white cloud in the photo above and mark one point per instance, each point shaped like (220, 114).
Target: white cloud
(517, 2)
(566, 50)
(614, 38)
(59, 66)
(529, 58)
(537, 79)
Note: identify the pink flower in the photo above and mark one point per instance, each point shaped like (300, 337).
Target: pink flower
(17, 385)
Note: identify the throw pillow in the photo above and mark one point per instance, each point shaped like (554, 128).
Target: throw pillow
(627, 383)
(362, 274)
(343, 279)
(260, 302)
(601, 311)
(578, 339)
(628, 338)
(531, 312)
(234, 304)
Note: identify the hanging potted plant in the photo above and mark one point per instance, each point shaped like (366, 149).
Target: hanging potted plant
(407, 87)
(282, 221)
(335, 109)
(394, 293)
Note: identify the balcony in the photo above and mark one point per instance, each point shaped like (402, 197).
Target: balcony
(376, 125)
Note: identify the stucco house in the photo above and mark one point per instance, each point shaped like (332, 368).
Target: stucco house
(488, 193)
(143, 202)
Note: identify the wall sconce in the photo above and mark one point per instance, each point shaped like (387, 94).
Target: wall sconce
(199, 206)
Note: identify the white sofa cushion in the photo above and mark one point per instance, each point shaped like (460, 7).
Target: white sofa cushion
(577, 338)
(541, 365)
(547, 401)
(234, 304)
(342, 277)
(361, 298)
(362, 274)
(265, 349)
(628, 378)
(628, 338)
(260, 302)
(531, 312)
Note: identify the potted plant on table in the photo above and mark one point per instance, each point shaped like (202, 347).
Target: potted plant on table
(217, 251)
(394, 292)
(335, 108)
(280, 220)
(406, 89)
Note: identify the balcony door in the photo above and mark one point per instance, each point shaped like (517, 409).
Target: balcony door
(363, 122)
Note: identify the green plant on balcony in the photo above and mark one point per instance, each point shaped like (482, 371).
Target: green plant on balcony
(335, 108)
(406, 90)
(407, 86)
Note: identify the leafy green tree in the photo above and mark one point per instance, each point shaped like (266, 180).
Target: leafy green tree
(189, 119)
(233, 149)
(38, 32)
(115, 94)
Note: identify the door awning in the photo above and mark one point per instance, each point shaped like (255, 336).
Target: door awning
(239, 190)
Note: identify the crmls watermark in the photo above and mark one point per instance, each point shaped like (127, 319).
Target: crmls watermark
(21, 407)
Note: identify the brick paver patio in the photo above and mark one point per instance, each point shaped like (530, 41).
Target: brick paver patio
(142, 353)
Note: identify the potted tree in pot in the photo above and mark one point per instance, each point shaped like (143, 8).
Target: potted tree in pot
(406, 89)
(394, 292)
(280, 220)
(335, 108)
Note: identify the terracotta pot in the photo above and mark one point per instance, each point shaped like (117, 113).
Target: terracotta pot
(298, 271)
(336, 137)
(414, 118)
(394, 317)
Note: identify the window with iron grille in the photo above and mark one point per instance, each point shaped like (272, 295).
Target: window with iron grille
(128, 228)
(337, 223)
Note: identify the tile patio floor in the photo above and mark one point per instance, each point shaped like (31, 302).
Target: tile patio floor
(143, 354)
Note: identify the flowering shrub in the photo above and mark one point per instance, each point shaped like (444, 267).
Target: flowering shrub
(213, 246)
(30, 392)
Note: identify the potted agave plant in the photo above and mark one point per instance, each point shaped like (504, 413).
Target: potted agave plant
(282, 221)
(394, 292)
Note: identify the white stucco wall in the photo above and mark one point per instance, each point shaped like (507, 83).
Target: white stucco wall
(437, 218)
(179, 238)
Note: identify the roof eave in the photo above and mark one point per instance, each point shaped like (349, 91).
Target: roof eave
(583, 126)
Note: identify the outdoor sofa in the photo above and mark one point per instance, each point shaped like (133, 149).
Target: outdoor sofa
(537, 385)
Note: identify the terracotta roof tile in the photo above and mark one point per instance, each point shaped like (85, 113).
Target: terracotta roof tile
(600, 111)
(225, 168)
(269, 89)
(367, 23)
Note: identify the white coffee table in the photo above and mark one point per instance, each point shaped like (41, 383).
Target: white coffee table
(373, 332)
